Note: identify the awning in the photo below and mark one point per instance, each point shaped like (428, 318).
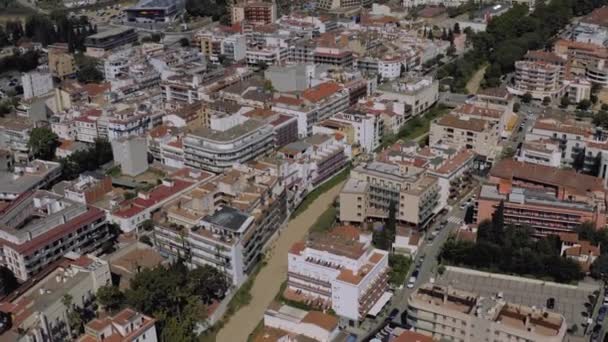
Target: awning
(386, 296)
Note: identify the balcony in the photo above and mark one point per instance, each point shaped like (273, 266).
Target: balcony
(309, 279)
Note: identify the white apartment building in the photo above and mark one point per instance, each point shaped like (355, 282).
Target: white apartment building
(541, 74)
(341, 269)
(570, 137)
(540, 152)
(368, 128)
(224, 222)
(389, 67)
(312, 105)
(420, 93)
(447, 313)
(268, 55)
(465, 132)
(228, 140)
(36, 83)
(15, 135)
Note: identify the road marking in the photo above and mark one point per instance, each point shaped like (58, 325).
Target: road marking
(455, 219)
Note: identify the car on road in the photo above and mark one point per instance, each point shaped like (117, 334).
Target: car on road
(602, 314)
(393, 314)
(411, 282)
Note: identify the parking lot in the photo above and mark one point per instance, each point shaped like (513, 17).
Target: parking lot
(569, 300)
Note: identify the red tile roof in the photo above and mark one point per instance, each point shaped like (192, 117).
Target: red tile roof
(156, 195)
(321, 92)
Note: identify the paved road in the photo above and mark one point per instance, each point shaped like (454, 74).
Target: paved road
(270, 278)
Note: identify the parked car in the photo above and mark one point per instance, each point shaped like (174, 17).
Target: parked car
(551, 303)
(411, 282)
(393, 314)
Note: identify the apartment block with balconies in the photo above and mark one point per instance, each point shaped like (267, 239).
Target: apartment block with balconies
(374, 187)
(445, 313)
(548, 199)
(224, 222)
(339, 270)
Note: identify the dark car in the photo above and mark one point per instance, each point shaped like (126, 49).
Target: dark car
(393, 314)
(5, 322)
(415, 273)
(551, 303)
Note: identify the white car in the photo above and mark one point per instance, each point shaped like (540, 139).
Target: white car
(411, 282)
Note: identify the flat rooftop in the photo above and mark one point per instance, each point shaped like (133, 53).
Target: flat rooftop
(247, 127)
(228, 217)
(109, 33)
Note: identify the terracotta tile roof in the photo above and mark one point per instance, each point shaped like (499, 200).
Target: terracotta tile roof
(125, 316)
(580, 183)
(599, 16)
(327, 322)
(562, 127)
(288, 100)
(471, 109)
(156, 195)
(297, 248)
(455, 162)
(500, 92)
(470, 124)
(376, 257)
(411, 336)
(321, 92)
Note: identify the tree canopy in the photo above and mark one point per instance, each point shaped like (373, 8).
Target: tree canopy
(174, 295)
(513, 251)
(43, 143)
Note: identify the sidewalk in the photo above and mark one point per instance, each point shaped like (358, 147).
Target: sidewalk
(270, 278)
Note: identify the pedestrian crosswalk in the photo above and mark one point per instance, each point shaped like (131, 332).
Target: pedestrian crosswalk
(455, 219)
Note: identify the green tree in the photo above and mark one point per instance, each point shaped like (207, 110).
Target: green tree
(564, 101)
(498, 223)
(400, 265)
(526, 98)
(43, 143)
(601, 118)
(516, 107)
(599, 268)
(546, 100)
(184, 42)
(578, 163)
(110, 298)
(89, 74)
(584, 105)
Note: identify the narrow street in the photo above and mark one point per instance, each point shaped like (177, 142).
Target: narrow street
(270, 278)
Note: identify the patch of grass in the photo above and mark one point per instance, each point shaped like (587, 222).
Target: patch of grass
(242, 296)
(325, 221)
(311, 197)
(114, 171)
(400, 266)
(256, 331)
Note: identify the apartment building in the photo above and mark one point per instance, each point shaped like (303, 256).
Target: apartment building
(224, 222)
(550, 200)
(126, 325)
(499, 117)
(228, 140)
(368, 129)
(36, 83)
(466, 132)
(254, 12)
(373, 187)
(21, 179)
(312, 105)
(584, 252)
(543, 152)
(15, 135)
(37, 307)
(310, 162)
(61, 61)
(99, 44)
(585, 59)
(456, 315)
(571, 137)
(541, 74)
(420, 93)
(285, 127)
(60, 226)
(339, 269)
